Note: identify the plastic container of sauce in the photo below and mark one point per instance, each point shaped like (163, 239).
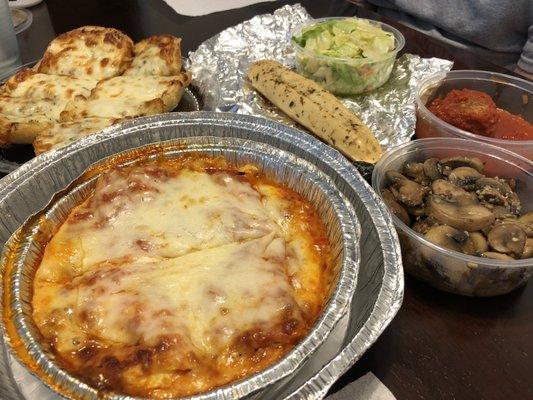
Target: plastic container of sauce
(477, 105)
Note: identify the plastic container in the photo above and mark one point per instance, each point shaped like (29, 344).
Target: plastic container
(446, 269)
(509, 93)
(22, 19)
(9, 49)
(366, 74)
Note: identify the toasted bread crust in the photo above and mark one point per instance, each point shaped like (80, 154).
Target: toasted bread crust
(60, 135)
(21, 76)
(17, 131)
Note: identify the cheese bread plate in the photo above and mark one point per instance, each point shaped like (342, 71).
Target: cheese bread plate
(88, 79)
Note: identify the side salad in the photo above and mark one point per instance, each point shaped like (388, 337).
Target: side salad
(347, 56)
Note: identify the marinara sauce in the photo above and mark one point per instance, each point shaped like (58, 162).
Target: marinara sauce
(476, 112)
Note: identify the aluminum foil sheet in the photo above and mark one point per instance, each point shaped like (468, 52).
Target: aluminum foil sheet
(379, 289)
(219, 68)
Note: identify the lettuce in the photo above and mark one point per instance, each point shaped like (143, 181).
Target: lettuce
(353, 45)
(346, 38)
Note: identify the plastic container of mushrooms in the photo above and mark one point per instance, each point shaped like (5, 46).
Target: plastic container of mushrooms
(463, 211)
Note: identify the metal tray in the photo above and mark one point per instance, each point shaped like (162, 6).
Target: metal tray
(380, 286)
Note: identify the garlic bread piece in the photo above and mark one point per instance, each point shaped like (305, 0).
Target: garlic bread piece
(315, 108)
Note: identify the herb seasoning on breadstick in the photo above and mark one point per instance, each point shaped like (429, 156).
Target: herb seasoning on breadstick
(315, 108)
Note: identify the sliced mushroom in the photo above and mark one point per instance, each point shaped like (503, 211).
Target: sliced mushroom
(415, 171)
(507, 238)
(456, 162)
(527, 219)
(500, 212)
(448, 190)
(528, 229)
(446, 236)
(462, 215)
(496, 183)
(512, 183)
(528, 249)
(395, 207)
(476, 244)
(491, 195)
(497, 256)
(416, 211)
(511, 198)
(464, 176)
(424, 225)
(405, 190)
(487, 229)
(432, 169)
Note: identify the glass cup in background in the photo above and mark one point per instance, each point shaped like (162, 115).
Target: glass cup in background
(9, 50)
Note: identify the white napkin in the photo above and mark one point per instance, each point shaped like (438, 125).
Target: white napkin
(367, 387)
(194, 8)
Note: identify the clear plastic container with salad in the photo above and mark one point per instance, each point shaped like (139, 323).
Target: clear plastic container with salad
(347, 55)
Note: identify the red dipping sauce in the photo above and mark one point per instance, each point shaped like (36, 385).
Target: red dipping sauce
(476, 112)
(511, 127)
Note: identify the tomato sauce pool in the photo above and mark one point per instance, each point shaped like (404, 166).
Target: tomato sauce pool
(476, 112)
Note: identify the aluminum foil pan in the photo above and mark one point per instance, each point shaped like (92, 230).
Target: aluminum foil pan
(230, 140)
(377, 298)
(379, 291)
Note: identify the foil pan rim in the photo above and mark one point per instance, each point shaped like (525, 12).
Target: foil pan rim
(388, 304)
(341, 297)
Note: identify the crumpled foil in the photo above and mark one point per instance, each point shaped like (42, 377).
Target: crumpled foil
(219, 68)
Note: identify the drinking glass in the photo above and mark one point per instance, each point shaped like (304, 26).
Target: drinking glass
(9, 50)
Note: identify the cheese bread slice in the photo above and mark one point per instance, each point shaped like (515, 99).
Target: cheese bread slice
(63, 134)
(129, 96)
(90, 51)
(157, 55)
(22, 107)
(21, 119)
(19, 130)
(318, 110)
(33, 85)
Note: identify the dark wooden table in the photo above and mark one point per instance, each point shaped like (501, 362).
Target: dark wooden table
(439, 346)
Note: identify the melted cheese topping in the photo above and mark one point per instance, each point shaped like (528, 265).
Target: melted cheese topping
(118, 107)
(157, 55)
(129, 96)
(26, 108)
(89, 51)
(139, 87)
(37, 86)
(179, 276)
